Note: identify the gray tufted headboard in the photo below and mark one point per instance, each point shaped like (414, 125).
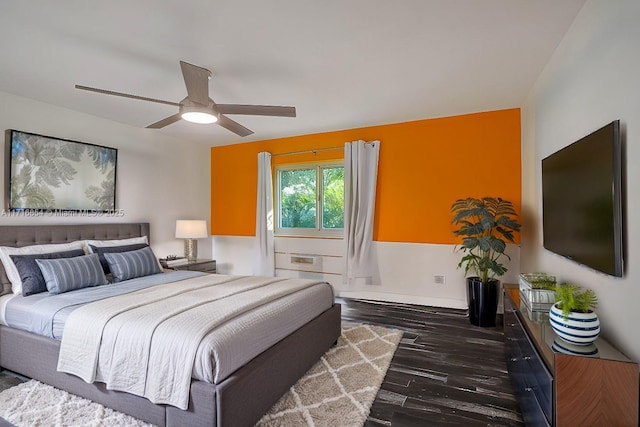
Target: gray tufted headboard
(25, 235)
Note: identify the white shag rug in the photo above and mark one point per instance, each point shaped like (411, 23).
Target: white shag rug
(337, 391)
(35, 404)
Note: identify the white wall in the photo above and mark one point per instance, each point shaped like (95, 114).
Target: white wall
(405, 270)
(592, 79)
(159, 178)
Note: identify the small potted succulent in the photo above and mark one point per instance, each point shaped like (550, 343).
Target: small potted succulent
(572, 317)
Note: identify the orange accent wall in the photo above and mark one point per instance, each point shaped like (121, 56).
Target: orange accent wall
(424, 167)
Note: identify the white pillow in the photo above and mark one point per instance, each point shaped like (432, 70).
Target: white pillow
(10, 267)
(116, 242)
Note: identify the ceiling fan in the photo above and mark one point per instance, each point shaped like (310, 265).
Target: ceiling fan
(198, 107)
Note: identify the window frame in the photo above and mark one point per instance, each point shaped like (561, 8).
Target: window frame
(318, 231)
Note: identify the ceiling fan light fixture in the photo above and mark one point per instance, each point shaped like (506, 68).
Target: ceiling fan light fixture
(197, 107)
(198, 115)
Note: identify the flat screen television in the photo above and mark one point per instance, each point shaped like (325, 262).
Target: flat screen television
(582, 201)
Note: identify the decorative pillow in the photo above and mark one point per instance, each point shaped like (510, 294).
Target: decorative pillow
(10, 267)
(101, 250)
(132, 264)
(67, 274)
(30, 274)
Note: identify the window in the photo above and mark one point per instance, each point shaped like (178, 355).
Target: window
(310, 199)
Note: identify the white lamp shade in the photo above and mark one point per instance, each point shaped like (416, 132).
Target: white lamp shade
(191, 229)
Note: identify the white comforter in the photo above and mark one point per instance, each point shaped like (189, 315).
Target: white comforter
(145, 342)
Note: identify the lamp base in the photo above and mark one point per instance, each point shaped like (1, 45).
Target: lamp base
(191, 249)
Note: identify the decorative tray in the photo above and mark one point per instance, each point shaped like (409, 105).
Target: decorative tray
(534, 289)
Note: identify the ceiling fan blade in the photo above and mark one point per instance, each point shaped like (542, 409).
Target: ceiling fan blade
(165, 122)
(233, 126)
(196, 79)
(257, 110)
(126, 95)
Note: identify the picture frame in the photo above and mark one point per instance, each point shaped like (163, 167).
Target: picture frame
(48, 174)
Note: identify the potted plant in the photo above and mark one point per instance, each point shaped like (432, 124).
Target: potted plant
(485, 225)
(572, 317)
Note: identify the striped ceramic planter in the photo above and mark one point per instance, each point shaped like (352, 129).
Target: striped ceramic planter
(578, 328)
(561, 346)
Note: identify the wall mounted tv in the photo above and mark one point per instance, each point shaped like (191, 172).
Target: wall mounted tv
(582, 201)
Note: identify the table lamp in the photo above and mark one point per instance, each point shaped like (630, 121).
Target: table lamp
(190, 230)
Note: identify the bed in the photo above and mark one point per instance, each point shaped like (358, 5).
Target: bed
(240, 399)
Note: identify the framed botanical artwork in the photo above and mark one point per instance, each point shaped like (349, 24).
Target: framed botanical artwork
(43, 173)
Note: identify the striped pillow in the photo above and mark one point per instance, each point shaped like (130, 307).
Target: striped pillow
(30, 274)
(67, 274)
(101, 250)
(132, 264)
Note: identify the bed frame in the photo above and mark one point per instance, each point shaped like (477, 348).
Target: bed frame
(239, 400)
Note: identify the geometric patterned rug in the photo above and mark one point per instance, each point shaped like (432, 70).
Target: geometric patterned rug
(337, 391)
(340, 388)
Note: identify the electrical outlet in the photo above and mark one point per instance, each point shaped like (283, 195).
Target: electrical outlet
(439, 279)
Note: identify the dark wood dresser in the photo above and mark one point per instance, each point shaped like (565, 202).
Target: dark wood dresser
(562, 389)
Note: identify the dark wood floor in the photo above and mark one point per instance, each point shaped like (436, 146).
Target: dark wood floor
(445, 372)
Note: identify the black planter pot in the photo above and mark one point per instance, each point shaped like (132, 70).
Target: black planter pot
(483, 301)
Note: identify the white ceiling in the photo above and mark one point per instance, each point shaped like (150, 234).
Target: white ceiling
(342, 63)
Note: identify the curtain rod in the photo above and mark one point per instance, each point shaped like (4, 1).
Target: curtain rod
(314, 151)
(317, 150)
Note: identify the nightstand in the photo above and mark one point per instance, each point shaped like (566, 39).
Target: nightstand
(204, 265)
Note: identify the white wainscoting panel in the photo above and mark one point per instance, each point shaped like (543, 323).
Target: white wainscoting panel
(233, 254)
(310, 258)
(406, 271)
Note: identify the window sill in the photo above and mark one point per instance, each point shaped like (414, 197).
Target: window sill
(333, 236)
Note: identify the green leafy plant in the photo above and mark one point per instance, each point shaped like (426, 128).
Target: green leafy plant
(541, 281)
(573, 298)
(548, 285)
(485, 225)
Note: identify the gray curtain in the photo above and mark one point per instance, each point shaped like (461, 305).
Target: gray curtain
(264, 257)
(360, 177)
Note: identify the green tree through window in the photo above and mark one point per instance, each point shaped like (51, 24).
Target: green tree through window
(298, 198)
(310, 199)
(333, 197)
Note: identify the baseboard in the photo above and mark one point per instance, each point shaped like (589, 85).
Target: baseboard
(406, 299)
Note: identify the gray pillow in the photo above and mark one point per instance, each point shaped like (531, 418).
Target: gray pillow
(68, 274)
(101, 250)
(30, 274)
(132, 264)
